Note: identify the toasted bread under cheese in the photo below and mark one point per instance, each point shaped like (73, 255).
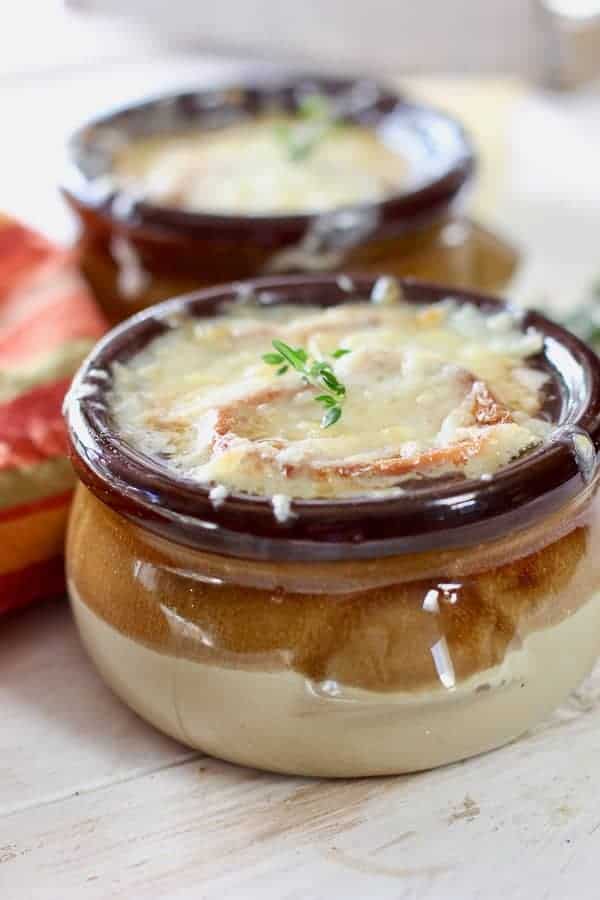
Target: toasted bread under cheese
(430, 391)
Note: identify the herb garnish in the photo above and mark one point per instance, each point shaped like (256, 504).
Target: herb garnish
(585, 321)
(313, 371)
(314, 120)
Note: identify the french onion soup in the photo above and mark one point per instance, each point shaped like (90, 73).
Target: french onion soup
(270, 176)
(351, 400)
(274, 164)
(338, 527)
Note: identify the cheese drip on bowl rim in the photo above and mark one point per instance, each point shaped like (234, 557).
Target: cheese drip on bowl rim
(438, 390)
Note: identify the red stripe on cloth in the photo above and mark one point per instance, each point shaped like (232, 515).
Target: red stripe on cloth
(20, 251)
(36, 582)
(43, 300)
(55, 319)
(31, 426)
(25, 509)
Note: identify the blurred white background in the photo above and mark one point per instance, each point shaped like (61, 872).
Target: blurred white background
(44, 35)
(445, 35)
(537, 38)
(61, 62)
(393, 35)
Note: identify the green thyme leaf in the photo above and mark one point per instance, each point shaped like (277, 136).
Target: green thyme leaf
(315, 372)
(317, 367)
(330, 381)
(282, 131)
(300, 149)
(296, 358)
(325, 399)
(331, 417)
(341, 351)
(273, 359)
(584, 321)
(315, 119)
(314, 106)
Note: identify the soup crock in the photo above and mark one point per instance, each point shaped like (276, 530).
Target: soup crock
(135, 252)
(358, 637)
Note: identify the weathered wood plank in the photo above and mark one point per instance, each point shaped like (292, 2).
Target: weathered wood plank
(523, 823)
(61, 729)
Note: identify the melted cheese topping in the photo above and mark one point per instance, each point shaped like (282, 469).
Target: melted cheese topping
(247, 168)
(430, 391)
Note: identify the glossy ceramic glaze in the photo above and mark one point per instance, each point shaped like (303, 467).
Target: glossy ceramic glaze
(135, 253)
(359, 637)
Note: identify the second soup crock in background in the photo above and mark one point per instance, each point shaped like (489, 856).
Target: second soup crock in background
(136, 251)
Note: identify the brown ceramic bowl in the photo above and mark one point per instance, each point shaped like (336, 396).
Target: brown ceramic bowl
(362, 636)
(135, 253)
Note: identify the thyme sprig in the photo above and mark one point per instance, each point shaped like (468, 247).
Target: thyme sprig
(317, 372)
(585, 320)
(314, 120)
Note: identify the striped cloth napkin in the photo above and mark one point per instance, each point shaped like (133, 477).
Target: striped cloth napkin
(48, 323)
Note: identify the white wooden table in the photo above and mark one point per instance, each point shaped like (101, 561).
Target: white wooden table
(94, 804)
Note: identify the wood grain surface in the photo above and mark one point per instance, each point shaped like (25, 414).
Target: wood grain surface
(95, 804)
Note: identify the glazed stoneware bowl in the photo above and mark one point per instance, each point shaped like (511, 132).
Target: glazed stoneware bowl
(359, 636)
(136, 251)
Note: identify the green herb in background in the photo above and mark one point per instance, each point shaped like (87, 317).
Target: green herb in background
(313, 121)
(585, 321)
(313, 371)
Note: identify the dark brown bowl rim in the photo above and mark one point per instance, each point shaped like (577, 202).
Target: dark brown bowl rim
(453, 515)
(397, 213)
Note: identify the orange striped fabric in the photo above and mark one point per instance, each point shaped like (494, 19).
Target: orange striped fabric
(48, 323)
